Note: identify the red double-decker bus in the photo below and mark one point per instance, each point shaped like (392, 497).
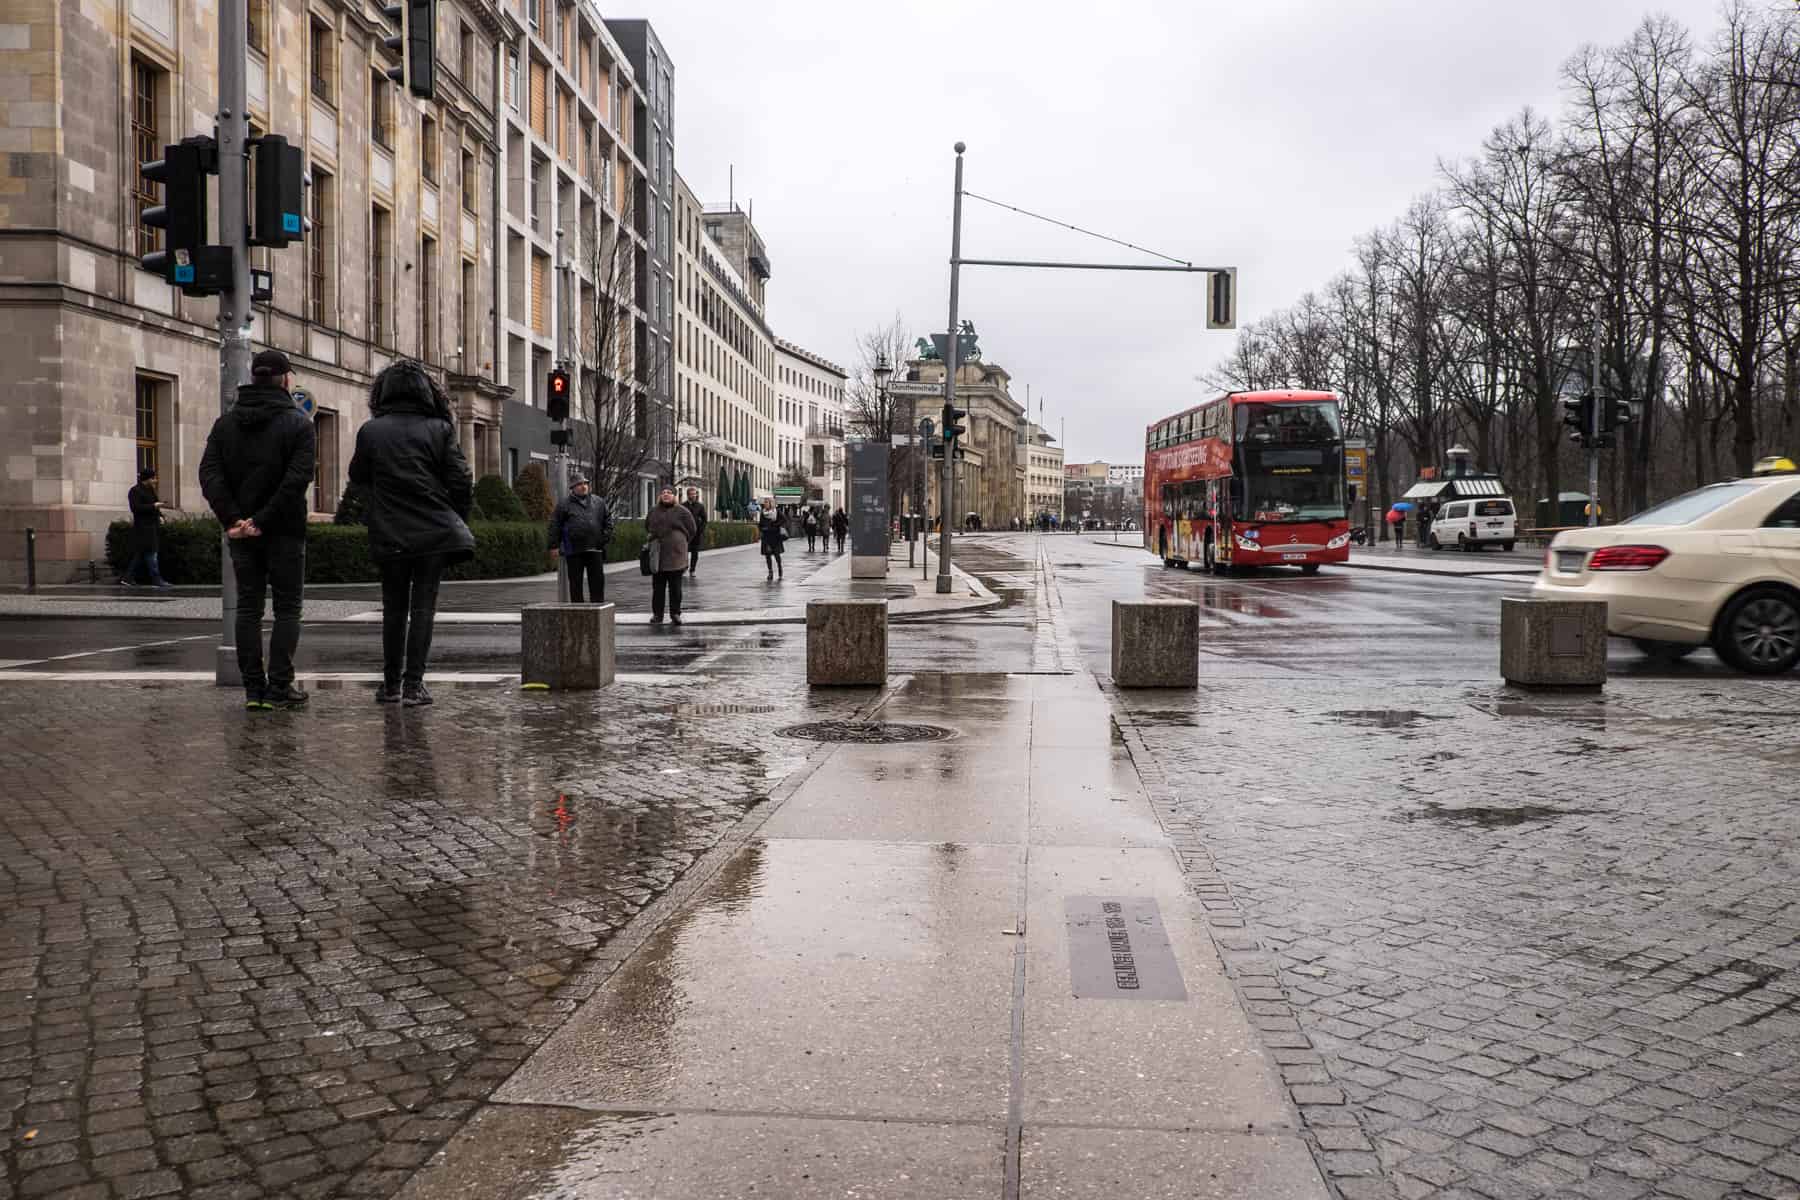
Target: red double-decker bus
(1248, 479)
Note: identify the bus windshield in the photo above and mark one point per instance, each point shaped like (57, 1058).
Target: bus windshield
(1293, 483)
(1286, 423)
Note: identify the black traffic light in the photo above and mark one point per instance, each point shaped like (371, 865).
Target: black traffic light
(952, 427)
(415, 40)
(1617, 413)
(1578, 415)
(182, 172)
(280, 172)
(559, 395)
(1221, 299)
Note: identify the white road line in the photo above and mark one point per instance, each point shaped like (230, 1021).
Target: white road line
(9, 664)
(446, 677)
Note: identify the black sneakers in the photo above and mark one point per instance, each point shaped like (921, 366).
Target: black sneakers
(285, 695)
(387, 694)
(256, 700)
(415, 696)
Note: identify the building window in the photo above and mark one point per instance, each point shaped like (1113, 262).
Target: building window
(428, 149)
(325, 461)
(512, 463)
(514, 94)
(381, 110)
(471, 183)
(465, 315)
(465, 56)
(324, 76)
(146, 81)
(256, 26)
(428, 299)
(380, 272)
(319, 253)
(150, 404)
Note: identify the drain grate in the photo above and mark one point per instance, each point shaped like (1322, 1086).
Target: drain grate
(868, 733)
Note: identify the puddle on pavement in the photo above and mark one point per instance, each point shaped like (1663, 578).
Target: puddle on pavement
(1385, 718)
(1487, 816)
(1163, 716)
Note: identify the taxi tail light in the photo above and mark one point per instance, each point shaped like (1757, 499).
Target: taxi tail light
(1626, 558)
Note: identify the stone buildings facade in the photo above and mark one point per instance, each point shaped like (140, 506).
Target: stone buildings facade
(433, 235)
(991, 476)
(1043, 474)
(811, 390)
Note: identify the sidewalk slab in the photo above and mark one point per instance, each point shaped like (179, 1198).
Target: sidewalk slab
(1080, 1164)
(517, 1153)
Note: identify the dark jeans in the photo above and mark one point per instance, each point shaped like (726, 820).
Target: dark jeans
(665, 584)
(277, 564)
(773, 562)
(591, 566)
(812, 540)
(409, 588)
(693, 561)
(146, 559)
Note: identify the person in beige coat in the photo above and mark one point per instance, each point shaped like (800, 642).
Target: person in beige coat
(671, 531)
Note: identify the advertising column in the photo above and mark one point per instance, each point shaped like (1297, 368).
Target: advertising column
(869, 516)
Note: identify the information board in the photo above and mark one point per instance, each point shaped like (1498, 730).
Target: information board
(868, 499)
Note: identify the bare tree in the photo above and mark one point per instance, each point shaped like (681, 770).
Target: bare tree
(876, 413)
(614, 425)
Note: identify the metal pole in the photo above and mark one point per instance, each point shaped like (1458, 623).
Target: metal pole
(1593, 431)
(30, 559)
(559, 468)
(949, 468)
(230, 129)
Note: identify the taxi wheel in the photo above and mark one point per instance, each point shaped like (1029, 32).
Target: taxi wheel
(1506, 546)
(1759, 631)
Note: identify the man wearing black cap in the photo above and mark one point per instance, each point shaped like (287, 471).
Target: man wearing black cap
(255, 472)
(146, 522)
(580, 529)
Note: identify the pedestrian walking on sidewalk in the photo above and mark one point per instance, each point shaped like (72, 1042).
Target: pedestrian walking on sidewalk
(418, 489)
(840, 528)
(671, 530)
(255, 472)
(698, 511)
(811, 525)
(580, 530)
(774, 536)
(146, 527)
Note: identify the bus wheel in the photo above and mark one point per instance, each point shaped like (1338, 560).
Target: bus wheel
(1310, 569)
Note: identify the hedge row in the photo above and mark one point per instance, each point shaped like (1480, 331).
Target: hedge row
(189, 549)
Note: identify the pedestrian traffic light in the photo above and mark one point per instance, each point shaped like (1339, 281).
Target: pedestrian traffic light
(414, 40)
(280, 173)
(952, 423)
(1617, 413)
(182, 171)
(558, 393)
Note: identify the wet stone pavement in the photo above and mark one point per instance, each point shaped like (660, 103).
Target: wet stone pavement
(284, 955)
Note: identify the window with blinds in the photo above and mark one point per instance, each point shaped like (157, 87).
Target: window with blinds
(145, 120)
(539, 98)
(428, 300)
(540, 306)
(380, 273)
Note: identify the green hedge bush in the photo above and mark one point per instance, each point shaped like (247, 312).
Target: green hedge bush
(334, 553)
(496, 501)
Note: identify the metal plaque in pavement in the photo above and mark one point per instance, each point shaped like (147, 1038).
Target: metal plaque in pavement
(1119, 950)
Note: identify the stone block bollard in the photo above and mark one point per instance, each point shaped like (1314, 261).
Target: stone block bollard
(1156, 643)
(566, 647)
(846, 643)
(1553, 643)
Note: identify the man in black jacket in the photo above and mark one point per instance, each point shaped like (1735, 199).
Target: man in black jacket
(697, 509)
(580, 529)
(255, 472)
(146, 523)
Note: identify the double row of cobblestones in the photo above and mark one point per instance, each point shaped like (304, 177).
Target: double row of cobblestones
(285, 954)
(1505, 948)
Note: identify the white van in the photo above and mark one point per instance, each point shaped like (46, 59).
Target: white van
(1471, 524)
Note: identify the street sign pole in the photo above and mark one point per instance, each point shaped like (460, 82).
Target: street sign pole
(230, 128)
(1593, 430)
(948, 470)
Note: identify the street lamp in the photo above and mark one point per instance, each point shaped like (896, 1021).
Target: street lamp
(882, 371)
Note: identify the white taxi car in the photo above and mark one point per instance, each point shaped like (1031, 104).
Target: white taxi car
(1717, 567)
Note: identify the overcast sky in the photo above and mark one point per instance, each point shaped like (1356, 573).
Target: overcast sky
(1264, 135)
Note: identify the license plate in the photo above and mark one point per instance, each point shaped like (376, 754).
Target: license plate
(1495, 524)
(1293, 558)
(1569, 561)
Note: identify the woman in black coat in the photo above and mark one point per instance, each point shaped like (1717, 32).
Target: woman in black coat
(417, 491)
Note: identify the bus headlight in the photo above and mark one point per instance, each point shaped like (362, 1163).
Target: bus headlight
(1338, 542)
(1246, 542)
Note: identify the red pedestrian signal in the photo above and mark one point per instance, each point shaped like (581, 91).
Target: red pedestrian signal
(559, 395)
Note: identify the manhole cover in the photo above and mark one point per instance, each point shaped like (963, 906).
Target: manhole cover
(874, 733)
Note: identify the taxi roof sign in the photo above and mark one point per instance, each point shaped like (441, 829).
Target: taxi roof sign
(1775, 464)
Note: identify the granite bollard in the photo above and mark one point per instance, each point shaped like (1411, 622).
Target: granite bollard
(1156, 643)
(846, 643)
(566, 647)
(1553, 643)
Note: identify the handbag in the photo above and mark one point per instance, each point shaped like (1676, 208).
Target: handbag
(649, 557)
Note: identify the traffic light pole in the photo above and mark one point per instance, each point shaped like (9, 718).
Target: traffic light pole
(1595, 422)
(235, 313)
(947, 475)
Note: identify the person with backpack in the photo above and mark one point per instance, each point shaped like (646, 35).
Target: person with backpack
(811, 525)
(418, 490)
(774, 537)
(255, 473)
(840, 528)
(580, 530)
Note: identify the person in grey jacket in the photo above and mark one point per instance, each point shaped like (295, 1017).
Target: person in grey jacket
(580, 530)
(671, 528)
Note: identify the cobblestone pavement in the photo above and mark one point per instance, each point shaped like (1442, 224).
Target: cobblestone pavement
(1505, 945)
(284, 954)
